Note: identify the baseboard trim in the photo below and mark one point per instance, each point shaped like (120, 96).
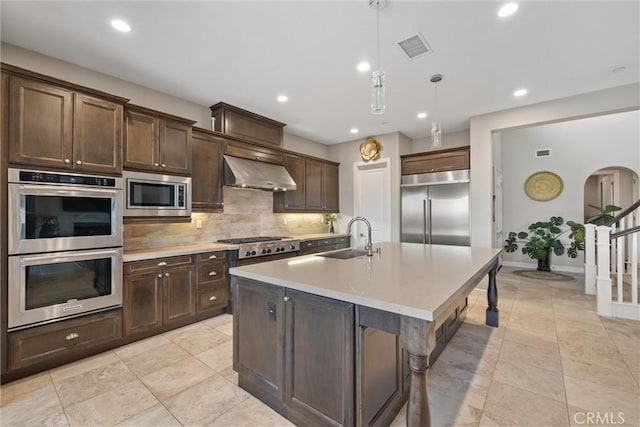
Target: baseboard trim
(529, 265)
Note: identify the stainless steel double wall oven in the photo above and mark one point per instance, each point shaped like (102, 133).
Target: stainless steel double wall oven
(65, 245)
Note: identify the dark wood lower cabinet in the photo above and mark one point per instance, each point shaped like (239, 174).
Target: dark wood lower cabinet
(295, 352)
(63, 341)
(320, 361)
(142, 302)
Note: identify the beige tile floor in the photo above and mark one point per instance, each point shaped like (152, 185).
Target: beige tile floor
(553, 361)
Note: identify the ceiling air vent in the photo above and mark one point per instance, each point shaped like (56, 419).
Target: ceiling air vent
(414, 46)
(545, 152)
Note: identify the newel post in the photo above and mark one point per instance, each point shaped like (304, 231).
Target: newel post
(603, 280)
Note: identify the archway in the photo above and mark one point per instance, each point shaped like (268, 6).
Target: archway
(613, 185)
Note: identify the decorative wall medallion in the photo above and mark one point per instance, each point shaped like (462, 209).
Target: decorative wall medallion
(370, 149)
(543, 186)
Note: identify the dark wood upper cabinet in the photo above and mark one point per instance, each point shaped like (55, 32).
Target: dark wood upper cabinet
(206, 171)
(244, 124)
(97, 135)
(313, 185)
(157, 142)
(293, 201)
(330, 186)
(57, 125)
(40, 124)
(436, 161)
(321, 186)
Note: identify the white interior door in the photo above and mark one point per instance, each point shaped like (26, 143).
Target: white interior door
(372, 200)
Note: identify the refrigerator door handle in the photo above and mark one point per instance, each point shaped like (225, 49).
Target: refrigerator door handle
(424, 222)
(429, 221)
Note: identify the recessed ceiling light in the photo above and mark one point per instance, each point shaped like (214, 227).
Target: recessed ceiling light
(283, 98)
(507, 10)
(422, 115)
(364, 66)
(120, 25)
(354, 130)
(520, 92)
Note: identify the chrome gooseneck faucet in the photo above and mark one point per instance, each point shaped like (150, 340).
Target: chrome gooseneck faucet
(368, 246)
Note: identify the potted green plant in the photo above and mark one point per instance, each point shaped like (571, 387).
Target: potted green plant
(329, 219)
(604, 214)
(543, 237)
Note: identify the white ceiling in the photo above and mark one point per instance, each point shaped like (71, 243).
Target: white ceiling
(246, 53)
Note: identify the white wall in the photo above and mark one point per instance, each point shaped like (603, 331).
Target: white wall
(449, 140)
(393, 145)
(137, 94)
(616, 99)
(304, 145)
(578, 148)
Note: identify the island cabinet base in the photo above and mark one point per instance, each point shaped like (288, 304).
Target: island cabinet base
(295, 352)
(323, 362)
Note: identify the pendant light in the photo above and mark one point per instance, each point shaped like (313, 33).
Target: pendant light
(436, 127)
(377, 77)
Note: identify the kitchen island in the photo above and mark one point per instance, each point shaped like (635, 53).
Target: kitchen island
(299, 328)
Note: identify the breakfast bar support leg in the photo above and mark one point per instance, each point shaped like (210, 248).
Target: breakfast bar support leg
(492, 299)
(418, 338)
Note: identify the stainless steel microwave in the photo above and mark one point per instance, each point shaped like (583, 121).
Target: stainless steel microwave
(150, 194)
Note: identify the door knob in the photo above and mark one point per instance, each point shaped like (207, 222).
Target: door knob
(67, 161)
(79, 162)
(287, 299)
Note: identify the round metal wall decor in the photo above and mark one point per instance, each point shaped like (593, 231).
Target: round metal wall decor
(370, 149)
(543, 186)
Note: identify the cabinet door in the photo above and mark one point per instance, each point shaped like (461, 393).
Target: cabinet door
(206, 191)
(142, 302)
(258, 330)
(330, 187)
(141, 142)
(179, 300)
(97, 135)
(40, 124)
(295, 200)
(175, 148)
(313, 185)
(319, 360)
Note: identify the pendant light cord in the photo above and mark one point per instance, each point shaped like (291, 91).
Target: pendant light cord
(378, 34)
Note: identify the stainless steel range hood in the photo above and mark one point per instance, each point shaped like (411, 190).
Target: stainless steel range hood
(252, 174)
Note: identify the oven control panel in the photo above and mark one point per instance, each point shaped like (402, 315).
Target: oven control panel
(57, 178)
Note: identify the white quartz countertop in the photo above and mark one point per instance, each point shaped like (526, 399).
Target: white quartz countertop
(319, 236)
(142, 254)
(405, 278)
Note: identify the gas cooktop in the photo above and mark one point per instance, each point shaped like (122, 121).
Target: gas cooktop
(263, 246)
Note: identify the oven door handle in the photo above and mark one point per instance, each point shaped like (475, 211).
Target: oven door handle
(57, 257)
(58, 190)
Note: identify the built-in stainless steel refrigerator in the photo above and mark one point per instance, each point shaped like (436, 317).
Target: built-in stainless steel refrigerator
(435, 208)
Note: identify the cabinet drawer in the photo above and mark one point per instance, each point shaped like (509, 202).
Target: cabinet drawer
(211, 256)
(344, 239)
(34, 345)
(308, 244)
(153, 264)
(309, 251)
(212, 298)
(211, 272)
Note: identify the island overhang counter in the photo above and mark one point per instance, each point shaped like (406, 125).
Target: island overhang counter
(407, 289)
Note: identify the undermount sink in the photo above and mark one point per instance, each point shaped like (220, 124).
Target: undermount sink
(346, 254)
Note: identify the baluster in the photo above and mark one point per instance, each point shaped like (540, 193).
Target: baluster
(590, 259)
(619, 262)
(603, 281)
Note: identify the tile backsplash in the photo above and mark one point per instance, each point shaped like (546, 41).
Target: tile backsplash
(247, 212)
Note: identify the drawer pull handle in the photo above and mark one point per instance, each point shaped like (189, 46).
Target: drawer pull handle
(160, 275)
(213, 298)
(212, 273)
(166, 274)
(213, 256)
(287, 299)
(72, 336)
(162, 264)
